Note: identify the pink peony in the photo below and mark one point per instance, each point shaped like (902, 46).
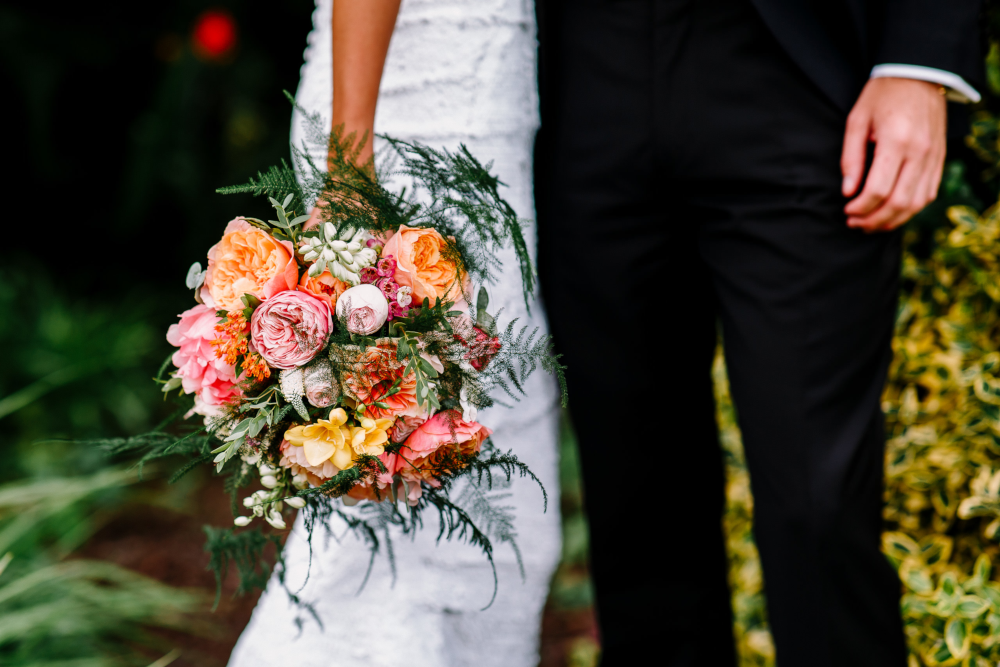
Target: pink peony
(290, 328)
(211, 379)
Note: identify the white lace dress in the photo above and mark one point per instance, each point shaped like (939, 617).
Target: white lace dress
(458, 71)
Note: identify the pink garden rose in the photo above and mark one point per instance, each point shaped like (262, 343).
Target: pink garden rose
(290, 328)
(202, 373)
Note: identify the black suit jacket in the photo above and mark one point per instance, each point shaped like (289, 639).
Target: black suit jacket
(837, 42)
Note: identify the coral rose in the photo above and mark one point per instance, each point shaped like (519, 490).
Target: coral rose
(291, 328)
(369, 377)
(202, 373)
(421, 265)
(324, 286)
(247, 261)
(425, 456)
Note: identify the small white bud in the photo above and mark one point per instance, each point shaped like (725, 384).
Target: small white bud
(275, 520)
(248, 501)
(353, 246)
(327, 255)
(242, 521)
(331, 231)
(269, 481)
(345, 257)
(311, 256)
(300, 481)
(347, 234)
(315, 270)
(338, 271)
(314, 241)
(296, 502)
(338, 245)
(265, 469)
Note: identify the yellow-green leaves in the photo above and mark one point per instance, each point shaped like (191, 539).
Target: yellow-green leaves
(956, 638)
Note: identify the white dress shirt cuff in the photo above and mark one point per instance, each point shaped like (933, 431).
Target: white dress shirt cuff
(958, 90)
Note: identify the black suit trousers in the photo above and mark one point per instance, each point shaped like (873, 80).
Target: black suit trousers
(688, 174)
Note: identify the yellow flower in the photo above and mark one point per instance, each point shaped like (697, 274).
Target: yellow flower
(326, 440)
(370, 437)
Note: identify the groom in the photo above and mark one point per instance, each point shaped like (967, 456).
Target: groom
(747, 162)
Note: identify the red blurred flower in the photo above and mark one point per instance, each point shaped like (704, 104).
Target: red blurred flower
(214, 34)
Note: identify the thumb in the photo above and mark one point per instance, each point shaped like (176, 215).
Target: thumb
(855, 151)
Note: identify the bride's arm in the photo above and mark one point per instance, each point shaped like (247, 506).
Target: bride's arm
(361, 33)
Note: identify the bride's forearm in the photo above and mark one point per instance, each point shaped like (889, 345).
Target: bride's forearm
(361, 33)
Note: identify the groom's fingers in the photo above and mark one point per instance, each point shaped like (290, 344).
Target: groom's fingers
(904, 200)
(854, 153)
(879, 185)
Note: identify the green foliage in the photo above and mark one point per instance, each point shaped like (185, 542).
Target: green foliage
(53, 608)
(520, 354)
(245, 550)
(76, 368)
(941, 405)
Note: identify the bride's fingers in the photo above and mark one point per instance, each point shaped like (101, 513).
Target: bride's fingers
(315, 217)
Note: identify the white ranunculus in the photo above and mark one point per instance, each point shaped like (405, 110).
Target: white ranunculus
(362, 309)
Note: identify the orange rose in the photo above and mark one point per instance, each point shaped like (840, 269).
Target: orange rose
(421, 266)
(247, 261)
(324, 286)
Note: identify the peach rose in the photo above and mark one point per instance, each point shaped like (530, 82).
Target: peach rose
(324, 286)
(247, 261)
(421, 266)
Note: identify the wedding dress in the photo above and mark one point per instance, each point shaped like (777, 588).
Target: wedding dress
(458, 71)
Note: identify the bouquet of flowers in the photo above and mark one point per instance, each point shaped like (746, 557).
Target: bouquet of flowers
(345, 362)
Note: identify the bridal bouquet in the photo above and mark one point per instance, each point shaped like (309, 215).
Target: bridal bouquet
(344, 362)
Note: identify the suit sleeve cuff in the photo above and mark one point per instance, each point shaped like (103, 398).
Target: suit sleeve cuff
(958, 90)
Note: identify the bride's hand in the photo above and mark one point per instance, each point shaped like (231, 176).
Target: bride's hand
(315, 217)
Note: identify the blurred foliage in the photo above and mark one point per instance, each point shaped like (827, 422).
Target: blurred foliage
(942, 406)
(56, 609)
(81, 368)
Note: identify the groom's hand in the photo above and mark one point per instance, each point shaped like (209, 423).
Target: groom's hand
(905, 119)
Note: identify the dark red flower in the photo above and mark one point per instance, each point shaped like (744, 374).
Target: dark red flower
(482, 349)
